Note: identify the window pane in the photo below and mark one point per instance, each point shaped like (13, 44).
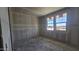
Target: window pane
(50, 23)
(61, 22)
(50, 20)
(50, 28)
(61, 26)
(61, 19)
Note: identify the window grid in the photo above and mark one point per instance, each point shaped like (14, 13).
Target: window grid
(50, 24)
(60, 22)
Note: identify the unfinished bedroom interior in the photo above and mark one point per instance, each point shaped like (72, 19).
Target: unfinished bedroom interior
(39, 28)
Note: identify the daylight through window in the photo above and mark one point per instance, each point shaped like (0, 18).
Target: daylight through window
(61, 22)
(50, 23)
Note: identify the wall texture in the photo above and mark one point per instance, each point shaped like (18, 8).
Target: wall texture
(24, 25)
(71, 35)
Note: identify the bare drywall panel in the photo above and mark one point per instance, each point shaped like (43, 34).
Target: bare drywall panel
(74, 26)
(24, 26)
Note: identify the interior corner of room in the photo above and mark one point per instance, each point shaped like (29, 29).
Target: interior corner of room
(39, 28)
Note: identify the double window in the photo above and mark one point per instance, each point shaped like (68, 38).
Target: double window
(59, 21)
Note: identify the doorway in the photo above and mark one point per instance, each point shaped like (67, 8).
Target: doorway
(1, 40)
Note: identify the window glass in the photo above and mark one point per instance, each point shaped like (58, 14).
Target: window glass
(61, 22)
(50, 23)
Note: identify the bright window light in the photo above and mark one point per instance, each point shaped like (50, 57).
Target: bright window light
(61, 22)
(50, 23)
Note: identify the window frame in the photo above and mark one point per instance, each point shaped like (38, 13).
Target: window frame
(62, 22)
(52, 24)
(55, 23)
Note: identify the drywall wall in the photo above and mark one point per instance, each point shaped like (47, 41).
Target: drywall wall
(5, 28)
(71, 35)
(24, 26)
(73, 26)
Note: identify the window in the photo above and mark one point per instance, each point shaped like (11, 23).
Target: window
(61, 22)
(50, 23)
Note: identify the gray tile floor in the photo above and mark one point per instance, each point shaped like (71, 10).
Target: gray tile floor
(41, 44)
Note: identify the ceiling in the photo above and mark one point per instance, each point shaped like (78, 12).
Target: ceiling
(40, 11)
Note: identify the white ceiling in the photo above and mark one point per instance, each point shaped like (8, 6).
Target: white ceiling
(40, 11)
